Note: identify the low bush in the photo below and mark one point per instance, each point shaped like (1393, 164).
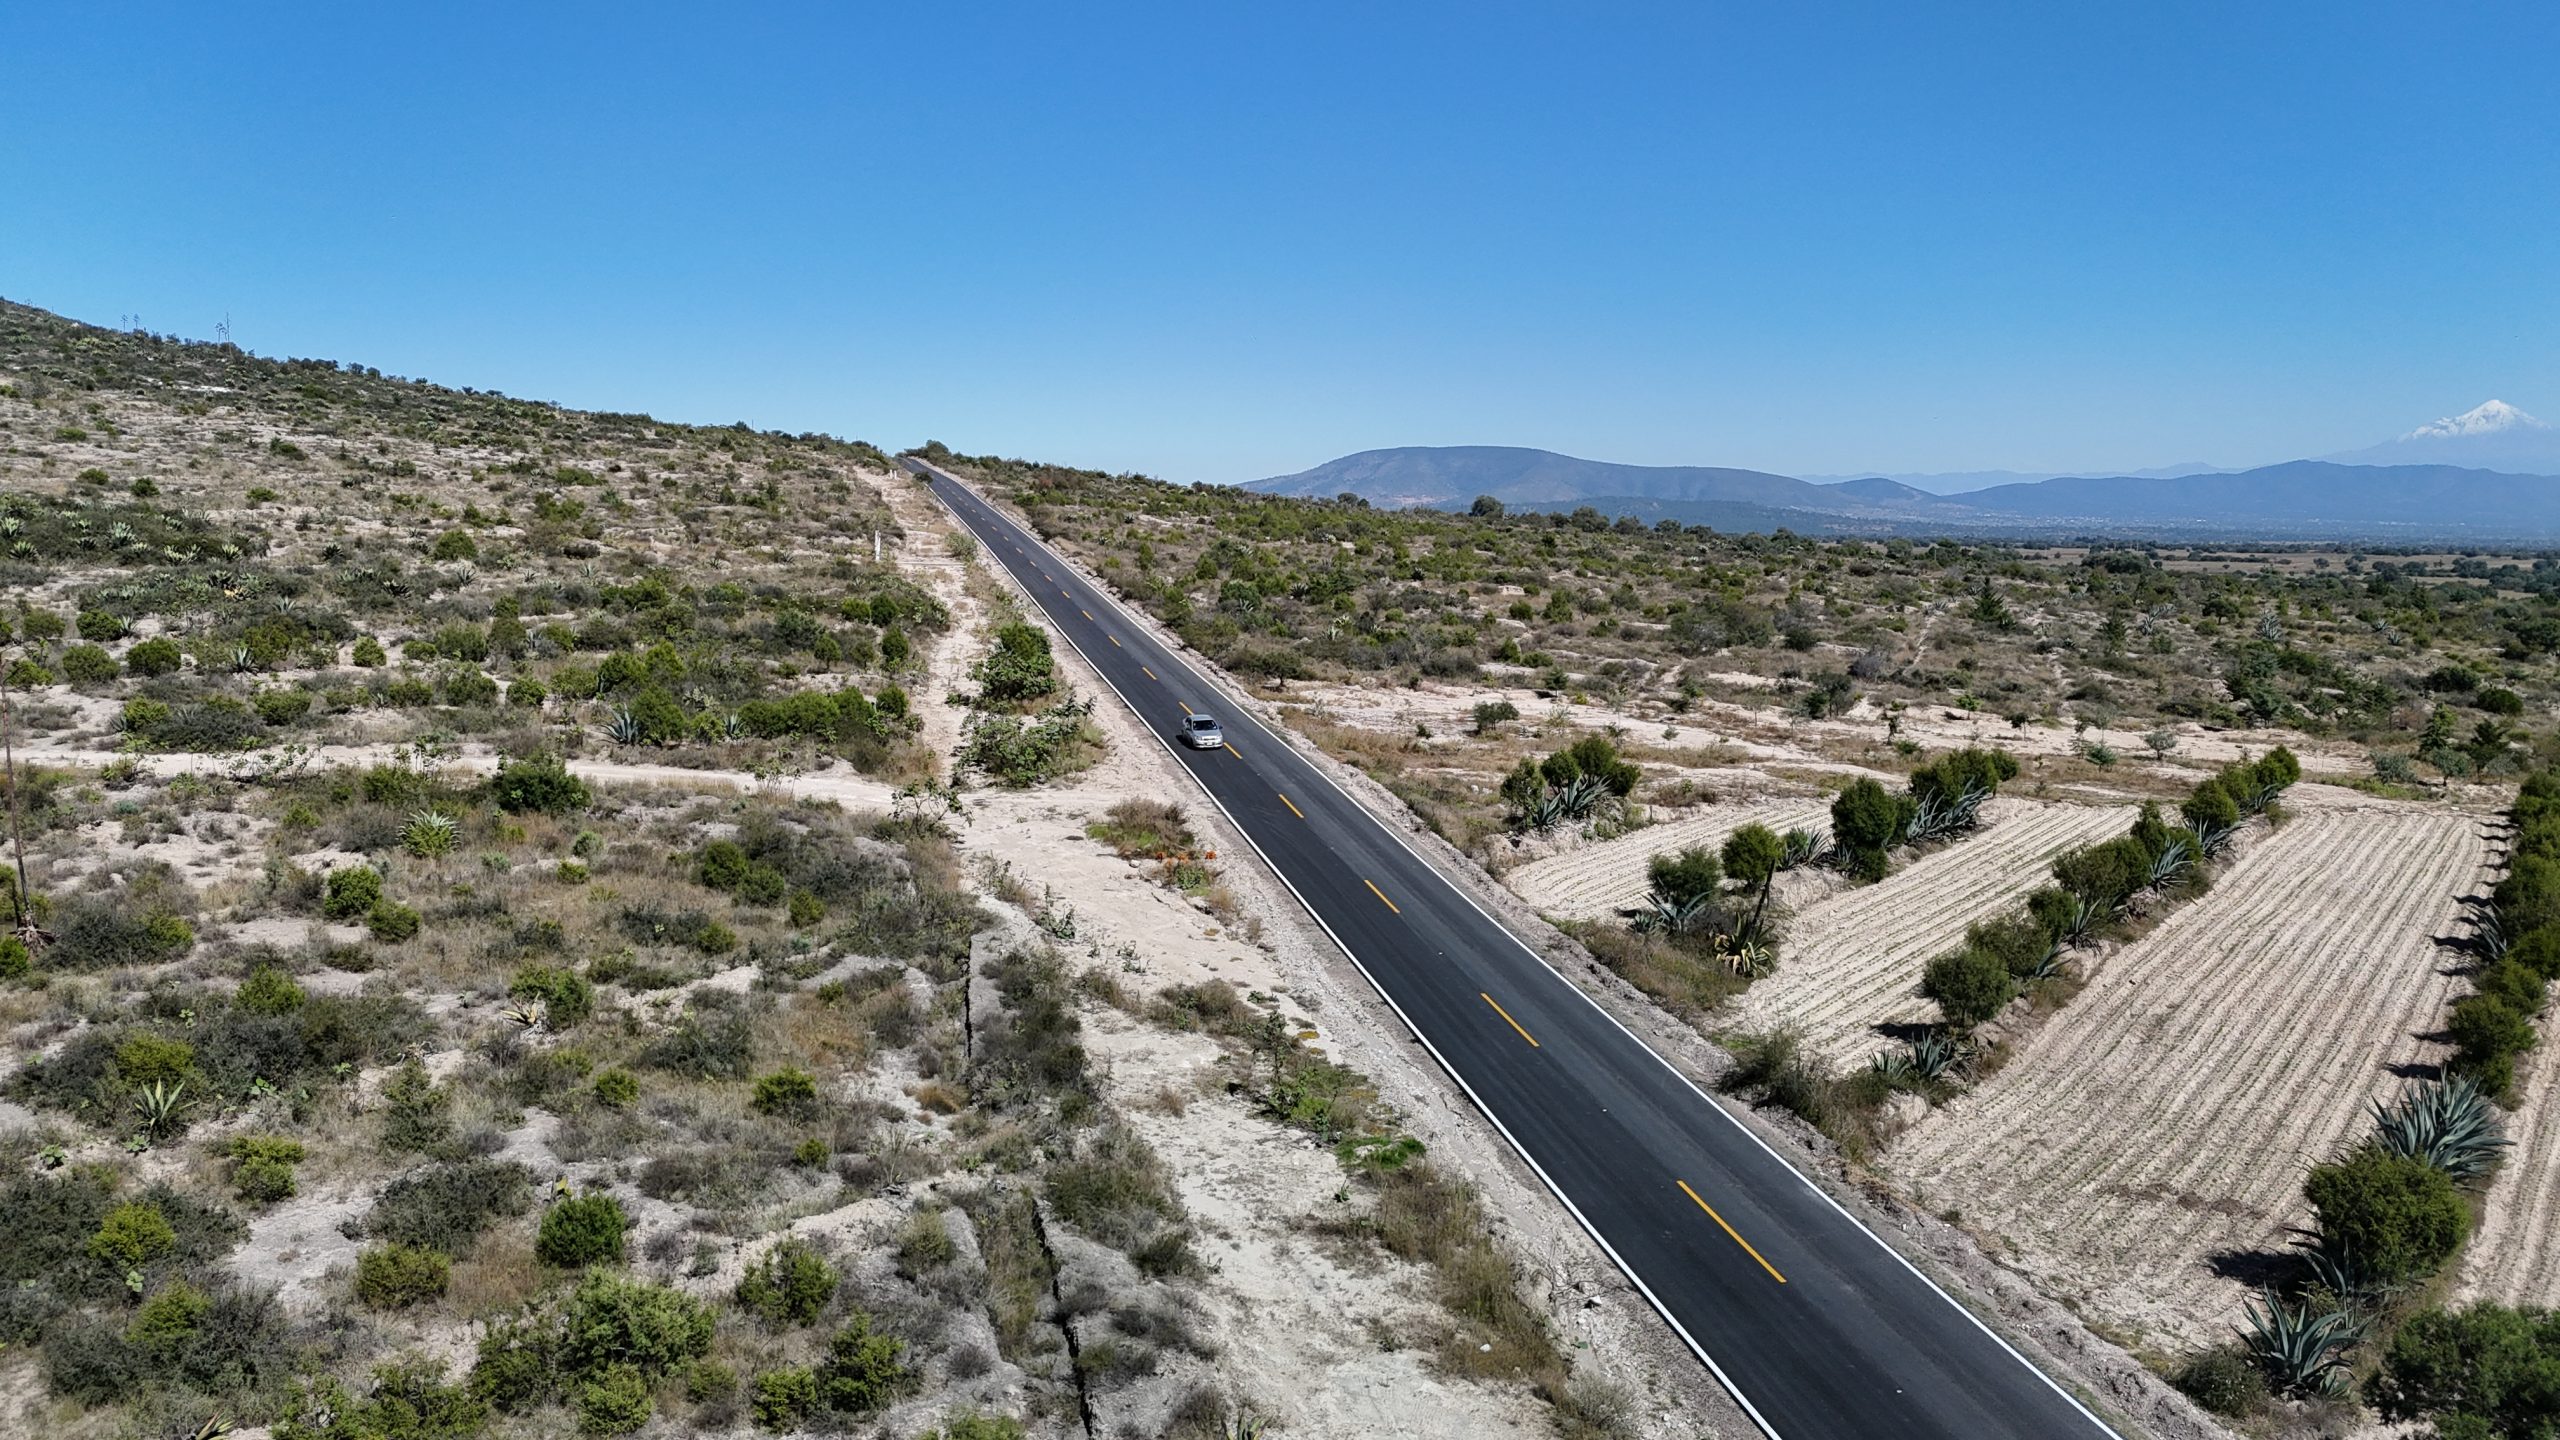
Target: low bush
(2400, 1218)
(789, 1284)
(262, 1166)
(445, 1207)
(1969, 985)
(789, 1091)
(565, 995)
(394, 1276)
(580, 1231)
(541, 784)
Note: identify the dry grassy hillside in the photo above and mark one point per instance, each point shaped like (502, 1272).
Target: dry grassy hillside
(537, 938)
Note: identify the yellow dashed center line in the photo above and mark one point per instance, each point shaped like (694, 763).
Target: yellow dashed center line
(1293, 809)
(1729, 1230)
(1381, 894)
(1230, 749)
(1507, 1020)
(1085, 613)
(1150, 674)
(1115, 641)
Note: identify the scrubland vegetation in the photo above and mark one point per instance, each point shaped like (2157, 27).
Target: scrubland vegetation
(469, 1040)
(2427, 661)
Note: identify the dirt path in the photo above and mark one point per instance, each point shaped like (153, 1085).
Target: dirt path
(1852, 961)
(2145, 1150)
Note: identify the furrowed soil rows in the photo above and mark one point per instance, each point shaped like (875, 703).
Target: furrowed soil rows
(1597, 881)
(1852, 961)
(2514, 1257)
(2144, 1152)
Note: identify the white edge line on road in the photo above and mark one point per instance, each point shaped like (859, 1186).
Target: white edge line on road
(1602, 1241)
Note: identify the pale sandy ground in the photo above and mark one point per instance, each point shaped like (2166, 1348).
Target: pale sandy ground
(2514, 1257)
(1851, 963)
(1598, 880)
(2151, 1137)
(1760, 736)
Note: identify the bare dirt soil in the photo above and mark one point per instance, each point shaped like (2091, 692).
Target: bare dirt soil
(2143, 1154)
(1852, 962)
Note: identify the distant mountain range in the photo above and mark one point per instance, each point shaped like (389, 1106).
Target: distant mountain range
(2432, 484)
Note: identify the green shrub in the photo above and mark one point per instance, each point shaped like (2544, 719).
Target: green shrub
(2224, 1380)
(368, 653)
(1686, 875)
(581, 1230)
(262, 1166)
(514, 1369)
(2488, 1032)
(143, 1056)
(614, 1320)
(566, 996)
(455, 545)
(615, 1402)
(806, 909)
(617, 1089)
(394, 1277)
(788, 1091)
(1969, 985)
(351, 892)
(409, 1401)
(88, 665)
(862, 1372)
(540, 783)
(2400, 1218)
(790, 1284)
(154, 657)
(2480, 1373)
(972, 1424)
(784, 1398)
(444, 1207)
(416, 1112)
(132, 1234)
(269, 991)
(1867, 821)
(16, 960)
(99, 625)
(1964, 771)
(391, 922)
(723, 865)
(708, 1382)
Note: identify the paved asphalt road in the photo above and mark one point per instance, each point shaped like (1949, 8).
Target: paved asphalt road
(1814, 1324)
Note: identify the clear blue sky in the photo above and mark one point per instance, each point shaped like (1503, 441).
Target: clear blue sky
(1217, 241)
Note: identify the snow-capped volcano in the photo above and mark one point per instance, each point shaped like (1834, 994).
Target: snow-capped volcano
(2493, 435)
(2488, 418)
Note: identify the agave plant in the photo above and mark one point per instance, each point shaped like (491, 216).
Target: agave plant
(2055, 957)
(241, 660)
(2303, 1348)
(1927, 1056)
(429, 834)
(2174, 860)
(2211, 841)
(1749, 959)
(732, 728)
(2084, 916)
(1660, 913)
(160, 1104)
(527, 1015)
(1799, 847)
(2339, 1273)
(2448, 1124)
(623, 728)
(2489, 934)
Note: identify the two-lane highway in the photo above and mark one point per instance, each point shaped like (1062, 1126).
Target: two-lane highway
(1815, 1325)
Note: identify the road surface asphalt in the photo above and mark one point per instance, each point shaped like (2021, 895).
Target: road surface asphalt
(1815, 1325)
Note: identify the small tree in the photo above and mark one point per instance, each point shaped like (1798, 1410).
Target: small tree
(1683, 876)
(1752, 855)
(1969, 985)
(1866, 821)
(2400, 1218)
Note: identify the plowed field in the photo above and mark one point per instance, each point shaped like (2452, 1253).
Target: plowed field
(1597, 881)
(1852, 961)
(2151, 1138)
